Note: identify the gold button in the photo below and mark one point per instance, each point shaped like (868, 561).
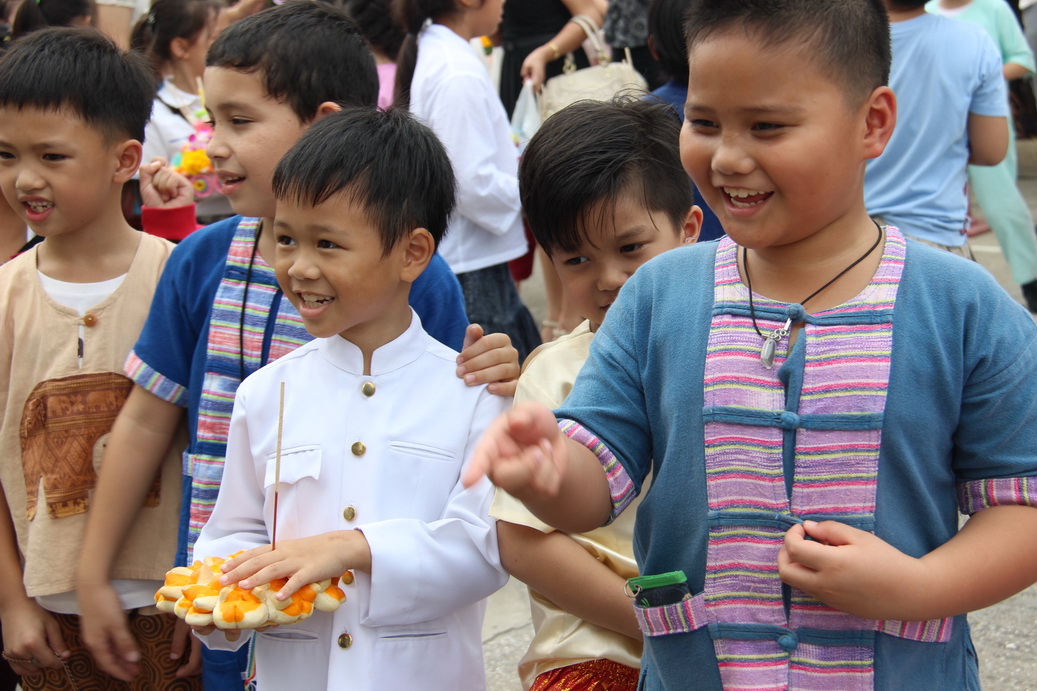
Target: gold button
(91, 320)
(349, 513)
(367, 388)
(358, 448)
(347, 578)
(345, 640)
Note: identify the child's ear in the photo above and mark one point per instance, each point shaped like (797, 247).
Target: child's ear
(692, 225)
(128, 157)
(325, 109)
(418, 251)
(180, 47)
(879, 119)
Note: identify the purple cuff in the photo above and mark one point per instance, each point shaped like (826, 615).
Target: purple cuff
(976, 495)
(148, 378)
(621, 487)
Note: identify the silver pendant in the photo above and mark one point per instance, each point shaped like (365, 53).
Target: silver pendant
(770, 343)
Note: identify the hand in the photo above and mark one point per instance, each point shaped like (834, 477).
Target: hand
(852, 570)
(182, 639)
(488, 359)
(534, 67)
(162, 187)
(302, 561)
(105, 632)
(32, 633)
(522, 452)
(231, 634)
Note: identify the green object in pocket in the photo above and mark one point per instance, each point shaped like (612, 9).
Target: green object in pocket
(659, 589)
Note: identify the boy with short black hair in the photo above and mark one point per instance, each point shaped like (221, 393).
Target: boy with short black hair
(72, 113)
(218, 313)
(604, 191)
(815, 397)
(373, 418)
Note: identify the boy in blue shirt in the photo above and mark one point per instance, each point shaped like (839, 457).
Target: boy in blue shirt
(219, 314)
(815, 397)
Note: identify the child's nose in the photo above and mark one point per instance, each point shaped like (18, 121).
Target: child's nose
(612, 278)
(303, 267)
(216, 149)
(28, 180)
(730, 157)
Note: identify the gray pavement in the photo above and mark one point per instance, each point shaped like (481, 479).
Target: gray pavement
(1003, 634)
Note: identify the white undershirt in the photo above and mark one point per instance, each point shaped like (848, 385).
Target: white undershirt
(81, 297)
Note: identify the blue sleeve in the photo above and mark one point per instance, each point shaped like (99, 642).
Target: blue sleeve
(990, 96)
(436, 297)
(181, 305)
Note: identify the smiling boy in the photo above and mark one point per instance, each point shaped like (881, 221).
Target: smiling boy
(72, 116)
(376, 424)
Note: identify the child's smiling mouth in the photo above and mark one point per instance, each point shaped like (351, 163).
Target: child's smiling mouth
(742, 198)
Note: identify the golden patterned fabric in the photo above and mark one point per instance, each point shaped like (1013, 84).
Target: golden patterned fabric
(595, 675)
(62, 422)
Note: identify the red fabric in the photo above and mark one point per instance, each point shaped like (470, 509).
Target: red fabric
(522, 268)
(595, 675)
(172, 224)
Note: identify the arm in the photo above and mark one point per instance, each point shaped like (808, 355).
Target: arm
(1013, 70)
(583, 586)
(859, 573)
(988, 139)
(139, 441)
(567, 40)
(464, 115)
(559, 480)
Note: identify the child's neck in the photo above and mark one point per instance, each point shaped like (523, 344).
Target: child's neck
(458, 23)
(953, 4)
(183, 79)
(391, 324)
(267, 244)
(98, 251)
(792, 273)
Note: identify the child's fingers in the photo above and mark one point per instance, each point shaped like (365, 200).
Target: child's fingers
(477, 374)
(832, 532)
(193, 666)
(54, 647)
(472, 334)
(181, 639)
(236, 561)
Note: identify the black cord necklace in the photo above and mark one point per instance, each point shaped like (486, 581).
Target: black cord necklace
(244, 305)
(770, 341)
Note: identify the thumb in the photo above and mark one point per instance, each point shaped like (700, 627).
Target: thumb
(831, 532)
(472, 334)
(55, 641)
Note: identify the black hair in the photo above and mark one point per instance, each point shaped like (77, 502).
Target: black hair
(412, 15)
(376, 22)
(594, 152)
(167, 20)
(32, 15)
(666, 27)
(908, 4)
(385, 161)
(850, 38)
(307, 53)
(83, 71)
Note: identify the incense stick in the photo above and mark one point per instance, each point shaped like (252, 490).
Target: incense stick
(277, 464)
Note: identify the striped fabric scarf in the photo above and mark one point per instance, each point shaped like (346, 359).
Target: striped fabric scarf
(242, 338)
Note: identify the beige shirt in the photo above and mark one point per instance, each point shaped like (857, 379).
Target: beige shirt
(560, 638)
(57, 414)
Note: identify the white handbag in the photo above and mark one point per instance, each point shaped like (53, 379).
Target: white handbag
(599, 82)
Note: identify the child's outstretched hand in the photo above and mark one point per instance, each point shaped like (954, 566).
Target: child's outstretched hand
(103, 627)
(303, 561)
(488, 359)
(162, 187)
(852, 570)
(523, 452)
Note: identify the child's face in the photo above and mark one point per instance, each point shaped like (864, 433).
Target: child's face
(56, 171)
(770, 140)
(251, 132)
(192, 51)
(329, 262)
(609, 255)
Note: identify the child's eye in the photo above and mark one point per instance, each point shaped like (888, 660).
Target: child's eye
(767, 126)
(237, 122)
(703, 124)
(326, 245)
(285, 240)
(575, 261)
(632, 247)
(6, 156)
(54, 157)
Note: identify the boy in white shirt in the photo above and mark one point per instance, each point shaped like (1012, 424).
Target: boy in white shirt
(376, 429)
